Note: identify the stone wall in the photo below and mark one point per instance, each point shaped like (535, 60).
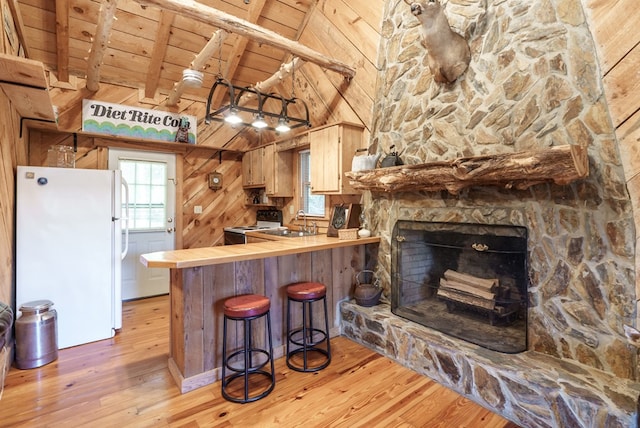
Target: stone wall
(533, 82)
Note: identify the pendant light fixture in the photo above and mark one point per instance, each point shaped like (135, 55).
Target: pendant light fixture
(270, 107)
(272, 111)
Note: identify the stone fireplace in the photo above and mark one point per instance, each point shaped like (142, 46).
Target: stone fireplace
(466, 280)
(532, 83)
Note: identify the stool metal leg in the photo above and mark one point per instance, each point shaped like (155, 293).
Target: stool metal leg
(273, 371)
(224, 353)
(306, 343)
(247, 357)
(326, 326)
(247, 350)
(288, 352)
(305, 339)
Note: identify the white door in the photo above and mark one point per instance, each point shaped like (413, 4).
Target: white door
(151, 178)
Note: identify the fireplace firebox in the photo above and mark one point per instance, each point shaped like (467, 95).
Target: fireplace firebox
(466, 280)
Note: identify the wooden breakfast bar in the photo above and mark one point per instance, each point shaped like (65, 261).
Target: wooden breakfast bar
(202, 278)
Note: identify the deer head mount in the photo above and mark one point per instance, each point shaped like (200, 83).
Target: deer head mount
(448, 52)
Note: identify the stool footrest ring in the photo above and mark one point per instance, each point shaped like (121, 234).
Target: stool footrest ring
(249, 399)
(304, 341)
(250, 369)
(292, 366)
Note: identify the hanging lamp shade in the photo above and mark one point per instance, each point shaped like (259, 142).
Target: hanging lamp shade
(192, 78)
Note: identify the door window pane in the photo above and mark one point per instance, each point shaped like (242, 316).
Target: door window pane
(147, 182)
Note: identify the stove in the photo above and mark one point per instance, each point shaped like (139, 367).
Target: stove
(265, 220)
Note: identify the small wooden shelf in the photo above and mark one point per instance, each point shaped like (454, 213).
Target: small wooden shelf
(560, 165)
(248, 204)
(25, 84)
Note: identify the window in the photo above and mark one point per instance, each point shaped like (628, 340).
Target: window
(147, 193)
(312, 205)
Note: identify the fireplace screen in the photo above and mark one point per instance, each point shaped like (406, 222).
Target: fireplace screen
(465, 280)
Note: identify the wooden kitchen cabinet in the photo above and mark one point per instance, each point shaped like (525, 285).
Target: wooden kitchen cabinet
(278, 171)
(332, 150)
(252, 168)
(295, 142)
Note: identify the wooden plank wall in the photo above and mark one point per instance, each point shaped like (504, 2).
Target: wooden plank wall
(614, 28)
(350, 31)
(336, 28)
(9, 152)
(12, 152)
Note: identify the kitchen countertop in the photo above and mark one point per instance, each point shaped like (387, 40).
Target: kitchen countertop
(205, 256)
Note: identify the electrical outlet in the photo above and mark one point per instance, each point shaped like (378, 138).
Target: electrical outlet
(197, 209)
(291, 209)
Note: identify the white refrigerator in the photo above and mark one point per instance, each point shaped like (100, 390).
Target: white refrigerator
(69, 248)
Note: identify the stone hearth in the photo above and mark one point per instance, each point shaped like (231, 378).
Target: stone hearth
(531, 389)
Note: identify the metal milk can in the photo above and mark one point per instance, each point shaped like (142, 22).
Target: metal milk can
(36, 335)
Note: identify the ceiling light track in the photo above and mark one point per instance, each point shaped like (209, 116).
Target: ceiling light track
(237, 113)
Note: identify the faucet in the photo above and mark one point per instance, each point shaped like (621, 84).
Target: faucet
(304, 216)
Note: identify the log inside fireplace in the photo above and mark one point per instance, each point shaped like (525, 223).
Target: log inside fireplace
(466, 280)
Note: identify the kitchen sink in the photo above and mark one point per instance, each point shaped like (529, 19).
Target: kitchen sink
(286, 233)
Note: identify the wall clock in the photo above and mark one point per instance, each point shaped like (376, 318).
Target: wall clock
(343, 216)
(215, 181)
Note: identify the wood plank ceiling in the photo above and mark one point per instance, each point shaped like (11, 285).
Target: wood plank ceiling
(148, 47)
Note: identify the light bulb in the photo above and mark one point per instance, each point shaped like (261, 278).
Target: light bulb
(233, 117)
(259, 122)
(283, 126)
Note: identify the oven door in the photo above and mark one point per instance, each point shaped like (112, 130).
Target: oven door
(232, 238)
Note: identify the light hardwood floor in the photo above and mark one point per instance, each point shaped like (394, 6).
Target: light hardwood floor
(124, 382)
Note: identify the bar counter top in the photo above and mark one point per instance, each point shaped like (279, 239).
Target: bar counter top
(206, 256)
(201, 279)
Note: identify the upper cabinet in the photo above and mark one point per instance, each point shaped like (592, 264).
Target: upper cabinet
(252, 168)
(332, 150)
(271, 168)
(278, 171)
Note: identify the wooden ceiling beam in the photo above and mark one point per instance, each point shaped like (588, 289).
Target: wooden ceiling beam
(159, 51)
(277, 78)
(62, 40)
(208, 15)
(100, 42)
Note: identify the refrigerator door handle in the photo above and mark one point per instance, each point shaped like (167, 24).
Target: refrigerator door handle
(125, 218)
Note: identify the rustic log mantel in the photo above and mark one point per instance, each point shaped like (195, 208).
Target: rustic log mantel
(561, 165)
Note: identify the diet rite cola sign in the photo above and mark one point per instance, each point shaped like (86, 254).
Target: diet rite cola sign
(124, 121)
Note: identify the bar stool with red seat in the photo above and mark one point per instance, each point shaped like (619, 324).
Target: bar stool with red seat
(247, 362)
(309, 341)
